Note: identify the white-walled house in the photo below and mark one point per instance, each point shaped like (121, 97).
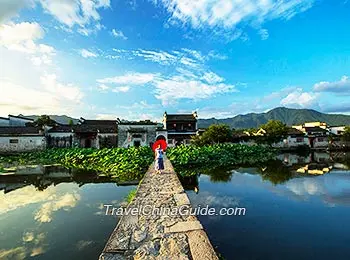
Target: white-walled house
(141, 133)
(21, 139)
(4, 121)
(294, 139)
(60, 136)
(336, 130)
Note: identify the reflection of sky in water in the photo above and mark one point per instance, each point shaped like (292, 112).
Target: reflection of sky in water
(60, 222)
(303, 218)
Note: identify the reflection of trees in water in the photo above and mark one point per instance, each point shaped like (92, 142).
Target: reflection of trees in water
(51, 177)
(275, 172)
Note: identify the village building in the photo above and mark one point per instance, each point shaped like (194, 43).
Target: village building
(180, 127)
(294, 139)
(336, 130)
(4, 121)
(21, 139)
(60, 136)
(135, 134)
(95, 134)
(12, 120)
(317, 132)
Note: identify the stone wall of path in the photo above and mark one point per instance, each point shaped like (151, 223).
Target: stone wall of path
(153, 236)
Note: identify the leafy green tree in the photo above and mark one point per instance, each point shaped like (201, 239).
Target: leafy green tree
(43, 120)
(215, 134)
(70, 122)
(346, 134)
(275, 131)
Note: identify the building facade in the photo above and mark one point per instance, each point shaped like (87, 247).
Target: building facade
(135, 134)
(21, 139)
(60, 136)
(180, 127)
(95, 134)
(294, 139)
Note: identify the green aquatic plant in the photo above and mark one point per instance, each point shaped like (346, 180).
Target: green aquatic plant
(219, 155)
(121, 163)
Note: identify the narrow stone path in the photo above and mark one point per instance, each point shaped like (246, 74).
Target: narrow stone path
(159, 236)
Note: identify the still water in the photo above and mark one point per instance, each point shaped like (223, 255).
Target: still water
(59, 214)
(55, 216)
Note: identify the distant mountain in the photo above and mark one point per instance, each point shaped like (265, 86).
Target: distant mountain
(63, 119)
(286, 115)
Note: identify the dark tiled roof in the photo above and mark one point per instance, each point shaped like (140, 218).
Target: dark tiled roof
(99, 122)
(61, 129)
(145, 122)
(180, 117)
(315, 129)
(293, 131)
(86, 128)
(19, 130)
(22, 117)
(4, 118)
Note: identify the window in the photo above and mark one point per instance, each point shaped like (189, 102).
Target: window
(13, 141)
(320, 139)
(300, 139)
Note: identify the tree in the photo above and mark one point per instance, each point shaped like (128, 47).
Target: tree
(346, 134)
(70, 122)
(275, 131)
(43, 120)
(214, 134)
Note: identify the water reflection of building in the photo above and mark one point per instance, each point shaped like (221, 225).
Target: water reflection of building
(52, 175)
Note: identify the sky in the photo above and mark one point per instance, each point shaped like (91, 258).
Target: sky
(135, 59)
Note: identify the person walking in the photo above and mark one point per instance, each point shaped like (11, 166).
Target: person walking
(159, 162)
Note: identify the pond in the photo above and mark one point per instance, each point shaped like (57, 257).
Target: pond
(58, 213)
(297, 217)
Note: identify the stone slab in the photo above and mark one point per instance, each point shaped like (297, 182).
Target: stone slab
(181, 199)
(184, 226)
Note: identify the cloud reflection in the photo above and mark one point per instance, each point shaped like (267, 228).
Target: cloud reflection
(65, 202)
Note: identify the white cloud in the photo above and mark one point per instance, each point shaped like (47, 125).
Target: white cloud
(300, 99)
(9, 8)
(121, 89)
(28, 81)
(170, 90)
(22, 37)
(161, 57)
(131, 78)
(228, 14)
(212, 78)
(88, 54)
(341, 86)
(264, 34)
(83, 13)
(214, 55)
(118, 34)
(64, 92)
(103, 87)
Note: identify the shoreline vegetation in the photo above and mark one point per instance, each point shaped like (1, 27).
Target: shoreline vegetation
(132, 163)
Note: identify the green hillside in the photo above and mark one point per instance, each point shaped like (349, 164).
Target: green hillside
(286, 115)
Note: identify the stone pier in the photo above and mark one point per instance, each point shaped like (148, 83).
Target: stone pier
(159, 236)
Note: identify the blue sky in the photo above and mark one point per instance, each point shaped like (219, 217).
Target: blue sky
(136, 59)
